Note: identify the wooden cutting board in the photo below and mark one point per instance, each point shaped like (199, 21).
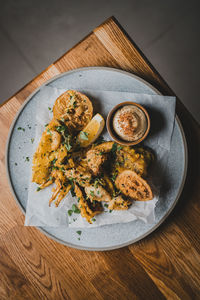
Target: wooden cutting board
(166, 264)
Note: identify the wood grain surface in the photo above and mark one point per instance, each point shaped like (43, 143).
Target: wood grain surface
(166, 264)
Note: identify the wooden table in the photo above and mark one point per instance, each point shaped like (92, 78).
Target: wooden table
(164, 265)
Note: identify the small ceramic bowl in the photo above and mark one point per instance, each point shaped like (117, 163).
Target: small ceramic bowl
(113, 134)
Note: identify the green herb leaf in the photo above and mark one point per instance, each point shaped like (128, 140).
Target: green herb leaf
(75, 209)
(70, 212)
(79, 232)
(27, 159)
(73, 102)
(106, 205)
(60, 128)
(49, 132)
(49, 108)
(84, 135)
(20, 128)
(119, 147)
(93, 219)
(114, 177)
(38, 189)
(68, 146)
(114, 148)
(92, 193)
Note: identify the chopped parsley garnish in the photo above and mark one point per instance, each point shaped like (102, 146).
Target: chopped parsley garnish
(46, 125)
(75, 209)
(49, 108)
(60, 128)
(84, 135)
(20, 128)
(32, 141)
(38, 189)
(29, 127)
(92, 193)
(65, 134)
(70, 212)
(93, 219)
(106, 205)
(119, 147)
(27, 159)
(73, 102)
(55, 168)
(68, 146)
(49, 132)
(114, 148)
(79, 232)
(114, 177)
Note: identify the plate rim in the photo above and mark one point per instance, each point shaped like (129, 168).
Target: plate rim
(68, 243)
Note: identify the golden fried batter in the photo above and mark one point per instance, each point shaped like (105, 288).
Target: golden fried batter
(107, 172)
(132, 185)
(75, 108)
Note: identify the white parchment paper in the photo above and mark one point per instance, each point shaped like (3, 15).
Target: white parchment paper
(162, 114)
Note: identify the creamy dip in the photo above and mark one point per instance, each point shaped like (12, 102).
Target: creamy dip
(130, 123)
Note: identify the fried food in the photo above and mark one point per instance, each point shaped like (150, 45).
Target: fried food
(105, 146)
(118, 203)
(79, 175)
(74, 108)
(133, 186)
(97, 193)
(95, 160)
(101, 172)
(88, 209)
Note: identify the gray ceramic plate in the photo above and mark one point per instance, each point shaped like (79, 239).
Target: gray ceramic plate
(19, 147)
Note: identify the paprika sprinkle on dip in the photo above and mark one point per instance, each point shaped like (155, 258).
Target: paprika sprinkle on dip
(130, 123)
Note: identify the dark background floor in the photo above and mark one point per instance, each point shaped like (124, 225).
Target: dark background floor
(34, 33)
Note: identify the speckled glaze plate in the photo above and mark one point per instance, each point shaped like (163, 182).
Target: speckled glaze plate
(19, 147)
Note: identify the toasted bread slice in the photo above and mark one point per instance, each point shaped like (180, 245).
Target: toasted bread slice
(74, 108)
(133, 186)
